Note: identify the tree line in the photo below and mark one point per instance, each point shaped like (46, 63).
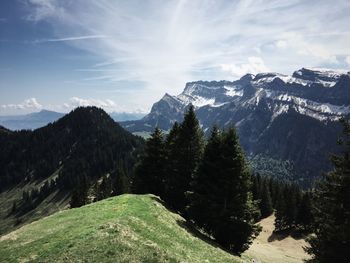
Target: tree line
(291, 204)
(208, 183)
(211, 186)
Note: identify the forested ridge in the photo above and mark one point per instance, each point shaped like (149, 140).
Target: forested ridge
(80, 148)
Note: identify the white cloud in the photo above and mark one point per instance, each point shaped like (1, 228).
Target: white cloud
(314, 49)
(106, 104)
(28, 104)
(255, 65)
(77, 102)
(281, 44)
(347, 59)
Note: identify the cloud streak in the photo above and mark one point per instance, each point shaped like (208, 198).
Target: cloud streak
(70, 38)
(167, 43)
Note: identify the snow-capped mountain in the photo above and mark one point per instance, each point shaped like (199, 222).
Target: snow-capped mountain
(285, 117)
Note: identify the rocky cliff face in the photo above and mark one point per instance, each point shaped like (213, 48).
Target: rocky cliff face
(284, 117)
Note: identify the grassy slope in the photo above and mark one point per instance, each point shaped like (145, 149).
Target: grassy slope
(128, 228)
(51, 204)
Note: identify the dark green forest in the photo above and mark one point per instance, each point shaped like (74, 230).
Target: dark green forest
(81, 148)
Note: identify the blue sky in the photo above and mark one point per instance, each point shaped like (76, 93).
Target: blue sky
(124, 55)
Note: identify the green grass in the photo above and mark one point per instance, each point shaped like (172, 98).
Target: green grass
(128, 228)
(10, 221)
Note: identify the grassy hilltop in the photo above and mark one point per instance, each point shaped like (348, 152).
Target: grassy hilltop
(128, 228)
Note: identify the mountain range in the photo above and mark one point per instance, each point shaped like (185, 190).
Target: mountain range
(39, 119)
(288, 119)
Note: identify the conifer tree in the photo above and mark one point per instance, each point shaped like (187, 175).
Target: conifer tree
(205, 186)
(80, 192)
(305, 217)
(265, 204)
(150, 172)
(186, 154)
(122, 183)
(280, 220)
(331, 242)
(222, 201)
(292, 202)
(171, 166)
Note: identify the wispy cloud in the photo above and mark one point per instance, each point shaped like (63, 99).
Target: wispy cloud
(70, 38)
(255, 65)
(167, 43)
(32, 104)
(347, 59)
(106, 104)
(28, 104)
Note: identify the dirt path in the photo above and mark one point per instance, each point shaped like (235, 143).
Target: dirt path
(267, 248)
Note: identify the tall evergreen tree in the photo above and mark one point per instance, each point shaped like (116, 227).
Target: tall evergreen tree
(171, 167)
(187, 151)
(205, 186)
(222, 201)
(122, 182)
(150, 172)
(305, 217)
(265, 204)
(80, 192)
(331, 242)
(281, 207)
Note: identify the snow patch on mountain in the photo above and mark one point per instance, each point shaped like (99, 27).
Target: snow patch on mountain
(320, 111)
(233, 91)
(306, 92)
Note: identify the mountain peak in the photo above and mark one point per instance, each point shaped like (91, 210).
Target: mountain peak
(319, 74)
(247, 77)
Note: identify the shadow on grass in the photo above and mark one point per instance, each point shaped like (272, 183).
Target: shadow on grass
(192, 229)
(282, 234)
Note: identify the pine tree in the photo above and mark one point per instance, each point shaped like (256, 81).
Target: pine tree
(14, 207)
(205, 185)
(266, 202)
(122, 183)
(104, 189)
(171, 166)
(305, 217)
(222, 201)
(291, 200)
(331, 242)
(80, 193)
(150, 172)
(280, 220)
(187, 151)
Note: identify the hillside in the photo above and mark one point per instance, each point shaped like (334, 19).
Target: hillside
(46, 165)
(42, 118)
(127, 228)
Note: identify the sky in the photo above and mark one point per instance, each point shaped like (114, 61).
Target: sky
(125, 55)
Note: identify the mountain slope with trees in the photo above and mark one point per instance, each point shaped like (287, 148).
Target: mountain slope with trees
(79, 154)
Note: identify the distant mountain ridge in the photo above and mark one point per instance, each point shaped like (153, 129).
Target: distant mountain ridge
(292, 118)
(30, 121)
(39, 119)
